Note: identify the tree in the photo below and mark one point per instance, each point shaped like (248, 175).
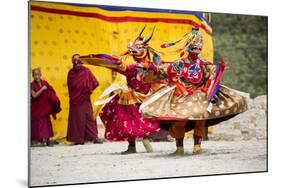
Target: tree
(242, 41)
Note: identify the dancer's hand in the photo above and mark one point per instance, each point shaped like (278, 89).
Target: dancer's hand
(143, 66)
(224, 65)
(123, 67)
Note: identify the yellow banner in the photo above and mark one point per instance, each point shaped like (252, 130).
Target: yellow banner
(59, 30)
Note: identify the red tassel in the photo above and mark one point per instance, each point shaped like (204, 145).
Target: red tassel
(168, 45)
(163, 46)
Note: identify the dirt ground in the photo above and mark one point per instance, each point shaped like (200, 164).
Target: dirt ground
(63, 164)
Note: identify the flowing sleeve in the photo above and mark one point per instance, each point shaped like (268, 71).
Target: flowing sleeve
(126, 70)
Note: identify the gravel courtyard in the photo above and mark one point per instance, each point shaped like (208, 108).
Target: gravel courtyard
(103, 162)
(237, 145)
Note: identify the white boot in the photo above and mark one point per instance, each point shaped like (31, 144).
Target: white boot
(147, 145)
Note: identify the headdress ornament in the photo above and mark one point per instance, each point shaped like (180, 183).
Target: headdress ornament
(191, 40)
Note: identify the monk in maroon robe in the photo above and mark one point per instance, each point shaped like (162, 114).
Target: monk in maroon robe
(82, 126)
(44, 103)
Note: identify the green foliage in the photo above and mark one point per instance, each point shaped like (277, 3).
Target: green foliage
(242, 41)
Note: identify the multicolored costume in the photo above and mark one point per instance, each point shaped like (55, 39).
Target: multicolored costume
(120, 115)
(193, 93)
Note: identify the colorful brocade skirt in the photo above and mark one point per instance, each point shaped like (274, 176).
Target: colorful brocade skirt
(226, 104)
(122, 119)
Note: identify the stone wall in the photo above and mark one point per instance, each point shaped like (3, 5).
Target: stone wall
(250, 125)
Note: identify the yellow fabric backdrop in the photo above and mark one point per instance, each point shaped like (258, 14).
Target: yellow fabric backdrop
(59, 30)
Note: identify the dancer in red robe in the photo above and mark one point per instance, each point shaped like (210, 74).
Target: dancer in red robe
(82, 126)
(44, 103)
(120, 114)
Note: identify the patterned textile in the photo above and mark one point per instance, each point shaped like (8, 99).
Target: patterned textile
(124, 122)
(196, 93)
(194, 107)
(121, 116)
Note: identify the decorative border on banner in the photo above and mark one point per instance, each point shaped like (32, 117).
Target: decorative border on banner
(120, 19)
(122, 8)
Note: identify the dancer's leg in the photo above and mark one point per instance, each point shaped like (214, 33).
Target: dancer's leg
(199, 133)
(147, 145)
(177, 131)
(131, 147)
